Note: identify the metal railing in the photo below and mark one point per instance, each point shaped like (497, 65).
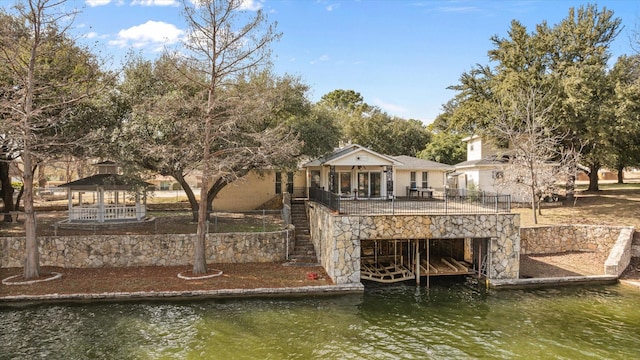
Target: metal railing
(326, 198)
(439, 201)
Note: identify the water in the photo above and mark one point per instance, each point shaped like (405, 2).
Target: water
(449, 321)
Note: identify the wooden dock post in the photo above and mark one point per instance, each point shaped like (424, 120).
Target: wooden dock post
(418, 262)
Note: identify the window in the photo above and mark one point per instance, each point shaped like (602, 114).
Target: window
(497, 174)
(290, 182)
(425, 179)
(412, 184)
(278, 183)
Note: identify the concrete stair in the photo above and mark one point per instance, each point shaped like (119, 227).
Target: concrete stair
(303, 254)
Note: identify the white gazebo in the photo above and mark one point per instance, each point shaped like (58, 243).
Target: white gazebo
(106, 197)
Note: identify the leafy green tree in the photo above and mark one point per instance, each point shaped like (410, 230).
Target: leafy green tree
(347, 101)
(371, 127)
(446, 148)
(318, 130)
(211, 108)
(626, 142)
(579, 53)
(568, 62)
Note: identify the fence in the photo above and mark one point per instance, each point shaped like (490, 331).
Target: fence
(182, 221)
(439, 201)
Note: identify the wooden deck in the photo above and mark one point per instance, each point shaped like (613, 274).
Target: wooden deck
(390, 271)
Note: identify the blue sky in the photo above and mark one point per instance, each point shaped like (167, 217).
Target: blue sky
(401, 55)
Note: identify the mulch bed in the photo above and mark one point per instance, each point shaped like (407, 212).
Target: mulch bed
(164, 278)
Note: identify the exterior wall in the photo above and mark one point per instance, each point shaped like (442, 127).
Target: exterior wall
(613, 242)
(235, 197)
(474, 149)
(337, 238)
(149, 250)
(300, 183)
(403, 179)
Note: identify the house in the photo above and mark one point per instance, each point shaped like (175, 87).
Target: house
(482, 170)
(356, 172)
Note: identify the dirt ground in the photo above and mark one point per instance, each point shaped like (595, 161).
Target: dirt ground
(161, 278)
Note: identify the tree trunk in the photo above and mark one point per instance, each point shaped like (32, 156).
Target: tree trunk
(620, 174)
(533, 204)
(16, 205)
(593, 177)
(7, 190)
(199, 250)
(32, 260)
(199, 253)
(213, 192)
(193, 202)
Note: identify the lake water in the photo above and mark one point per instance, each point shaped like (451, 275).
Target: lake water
(451, 320)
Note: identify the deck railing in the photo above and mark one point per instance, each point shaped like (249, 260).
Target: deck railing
(439, 201)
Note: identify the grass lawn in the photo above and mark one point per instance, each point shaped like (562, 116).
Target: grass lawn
(614, 204)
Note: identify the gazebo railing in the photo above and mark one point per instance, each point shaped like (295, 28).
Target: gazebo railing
(111, 212)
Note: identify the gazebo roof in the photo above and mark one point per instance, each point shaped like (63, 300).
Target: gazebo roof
(105, 181)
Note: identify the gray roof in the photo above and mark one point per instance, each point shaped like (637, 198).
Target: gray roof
(489, 161)
(414, 163)
(106, 181)
(338, 153)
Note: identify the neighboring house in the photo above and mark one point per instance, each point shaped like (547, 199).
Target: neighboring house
(483, 170)
(358, 172)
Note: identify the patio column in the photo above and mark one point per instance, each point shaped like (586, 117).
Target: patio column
(332, 180)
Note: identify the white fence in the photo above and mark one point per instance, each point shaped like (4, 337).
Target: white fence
(111, 212)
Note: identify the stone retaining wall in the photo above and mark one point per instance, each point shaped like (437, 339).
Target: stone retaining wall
(614, 242)
(564, 238)
(337, 237)
(149, 250)
(635, 246)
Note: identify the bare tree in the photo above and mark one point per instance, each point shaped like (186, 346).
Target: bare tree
(224, 44)
(538, 159)
(44, 78)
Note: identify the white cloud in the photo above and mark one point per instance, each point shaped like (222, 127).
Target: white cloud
(155, 2)
(93, 3)
(253, 5)
(152, 33)
(91, 35)
(388, 107)
(322, 58)
(332, 7)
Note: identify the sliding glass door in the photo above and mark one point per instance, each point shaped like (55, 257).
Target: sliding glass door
(369, 184)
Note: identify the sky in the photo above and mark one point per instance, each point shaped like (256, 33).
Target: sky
(400, 55)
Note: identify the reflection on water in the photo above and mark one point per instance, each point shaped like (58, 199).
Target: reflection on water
(447, 321)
